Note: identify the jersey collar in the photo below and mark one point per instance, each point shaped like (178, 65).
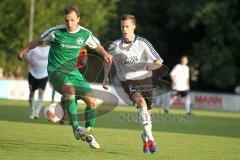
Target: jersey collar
(135, 37)
(78, 28)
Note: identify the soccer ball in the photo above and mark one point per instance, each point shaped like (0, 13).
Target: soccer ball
(54, 112)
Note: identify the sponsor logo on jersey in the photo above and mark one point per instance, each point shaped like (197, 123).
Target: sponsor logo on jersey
(130, 60)
(69, 46)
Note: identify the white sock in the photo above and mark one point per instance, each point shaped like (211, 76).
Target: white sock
(145, 119)
(187, 105)
(39, 105)
(31, 106)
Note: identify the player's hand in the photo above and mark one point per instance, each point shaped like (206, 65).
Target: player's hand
(108, 57)
(157, 64)
(105, 83)
(20, 56)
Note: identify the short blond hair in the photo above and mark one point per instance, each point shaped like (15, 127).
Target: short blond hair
(128, 16)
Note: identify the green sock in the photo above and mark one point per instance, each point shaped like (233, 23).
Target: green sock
(90, 116)
(72, 112)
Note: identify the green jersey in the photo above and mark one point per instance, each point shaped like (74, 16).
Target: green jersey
(63, 54)
(65, 46)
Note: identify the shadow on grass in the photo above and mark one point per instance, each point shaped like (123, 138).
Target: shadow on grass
(197, 124)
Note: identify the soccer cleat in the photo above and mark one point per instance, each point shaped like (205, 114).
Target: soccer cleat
(145, 145)
(36, 116)
(31, 116)
(166, 111)
(152, 146)
(91, 141)
(81, 133)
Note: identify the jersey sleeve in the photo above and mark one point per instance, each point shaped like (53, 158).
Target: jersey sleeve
(174, 71)
(92, 42)
(111, 47)
(49, 35)
(151, 53)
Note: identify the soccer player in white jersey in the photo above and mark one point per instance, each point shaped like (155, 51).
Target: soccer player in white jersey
(37, 59)
(180, 84)
(134, 59)
(66, 41)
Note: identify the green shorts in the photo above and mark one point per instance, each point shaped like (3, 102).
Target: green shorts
(58, 78)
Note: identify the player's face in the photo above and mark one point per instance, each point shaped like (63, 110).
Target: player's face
(127, 27)
(184, 61)
(71, 21)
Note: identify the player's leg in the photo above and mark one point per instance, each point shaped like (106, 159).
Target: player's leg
(90, 111)
(145, 119)
(188, 104)
(64, 84)
(53, 95)
(41, 87)
(90, 117)
(39, 103)
(172, 99)
(31, 104)
(32, 88)
(68, 91)
(70, 103)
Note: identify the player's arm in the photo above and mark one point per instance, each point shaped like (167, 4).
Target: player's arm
(107, 68)
(29, 46)
(173, 74)
(155, 65)
(100, 50)
(154, 61)
(93, 43)
(188, 81)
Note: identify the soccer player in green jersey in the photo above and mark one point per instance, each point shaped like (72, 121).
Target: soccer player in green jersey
(66, 42)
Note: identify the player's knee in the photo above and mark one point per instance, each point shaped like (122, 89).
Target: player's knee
(91, 103)
(31, 94)
(140, 102)
(68, 91)
(40, 92)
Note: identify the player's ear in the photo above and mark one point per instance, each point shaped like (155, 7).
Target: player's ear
(134, 26)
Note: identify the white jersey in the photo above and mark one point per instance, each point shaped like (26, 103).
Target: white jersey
(181, 75)
(39, 57)
(132, 58)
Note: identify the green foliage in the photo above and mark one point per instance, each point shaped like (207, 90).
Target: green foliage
(219, 48)
(48, 13)
(13, 30)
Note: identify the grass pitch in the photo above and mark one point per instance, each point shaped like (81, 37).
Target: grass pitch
(207, 135)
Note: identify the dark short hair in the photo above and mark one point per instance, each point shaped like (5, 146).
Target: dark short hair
(128, 16)
(71, 9)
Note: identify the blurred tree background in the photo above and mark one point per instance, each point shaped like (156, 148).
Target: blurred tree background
(206, 30)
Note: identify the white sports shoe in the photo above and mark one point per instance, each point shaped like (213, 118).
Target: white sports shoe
(81, 133)
(36, 116)
(31, 116)
(92, 141)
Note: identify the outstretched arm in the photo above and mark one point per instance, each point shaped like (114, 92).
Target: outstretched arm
(107, 68)
(107, 57)
(29, 46)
